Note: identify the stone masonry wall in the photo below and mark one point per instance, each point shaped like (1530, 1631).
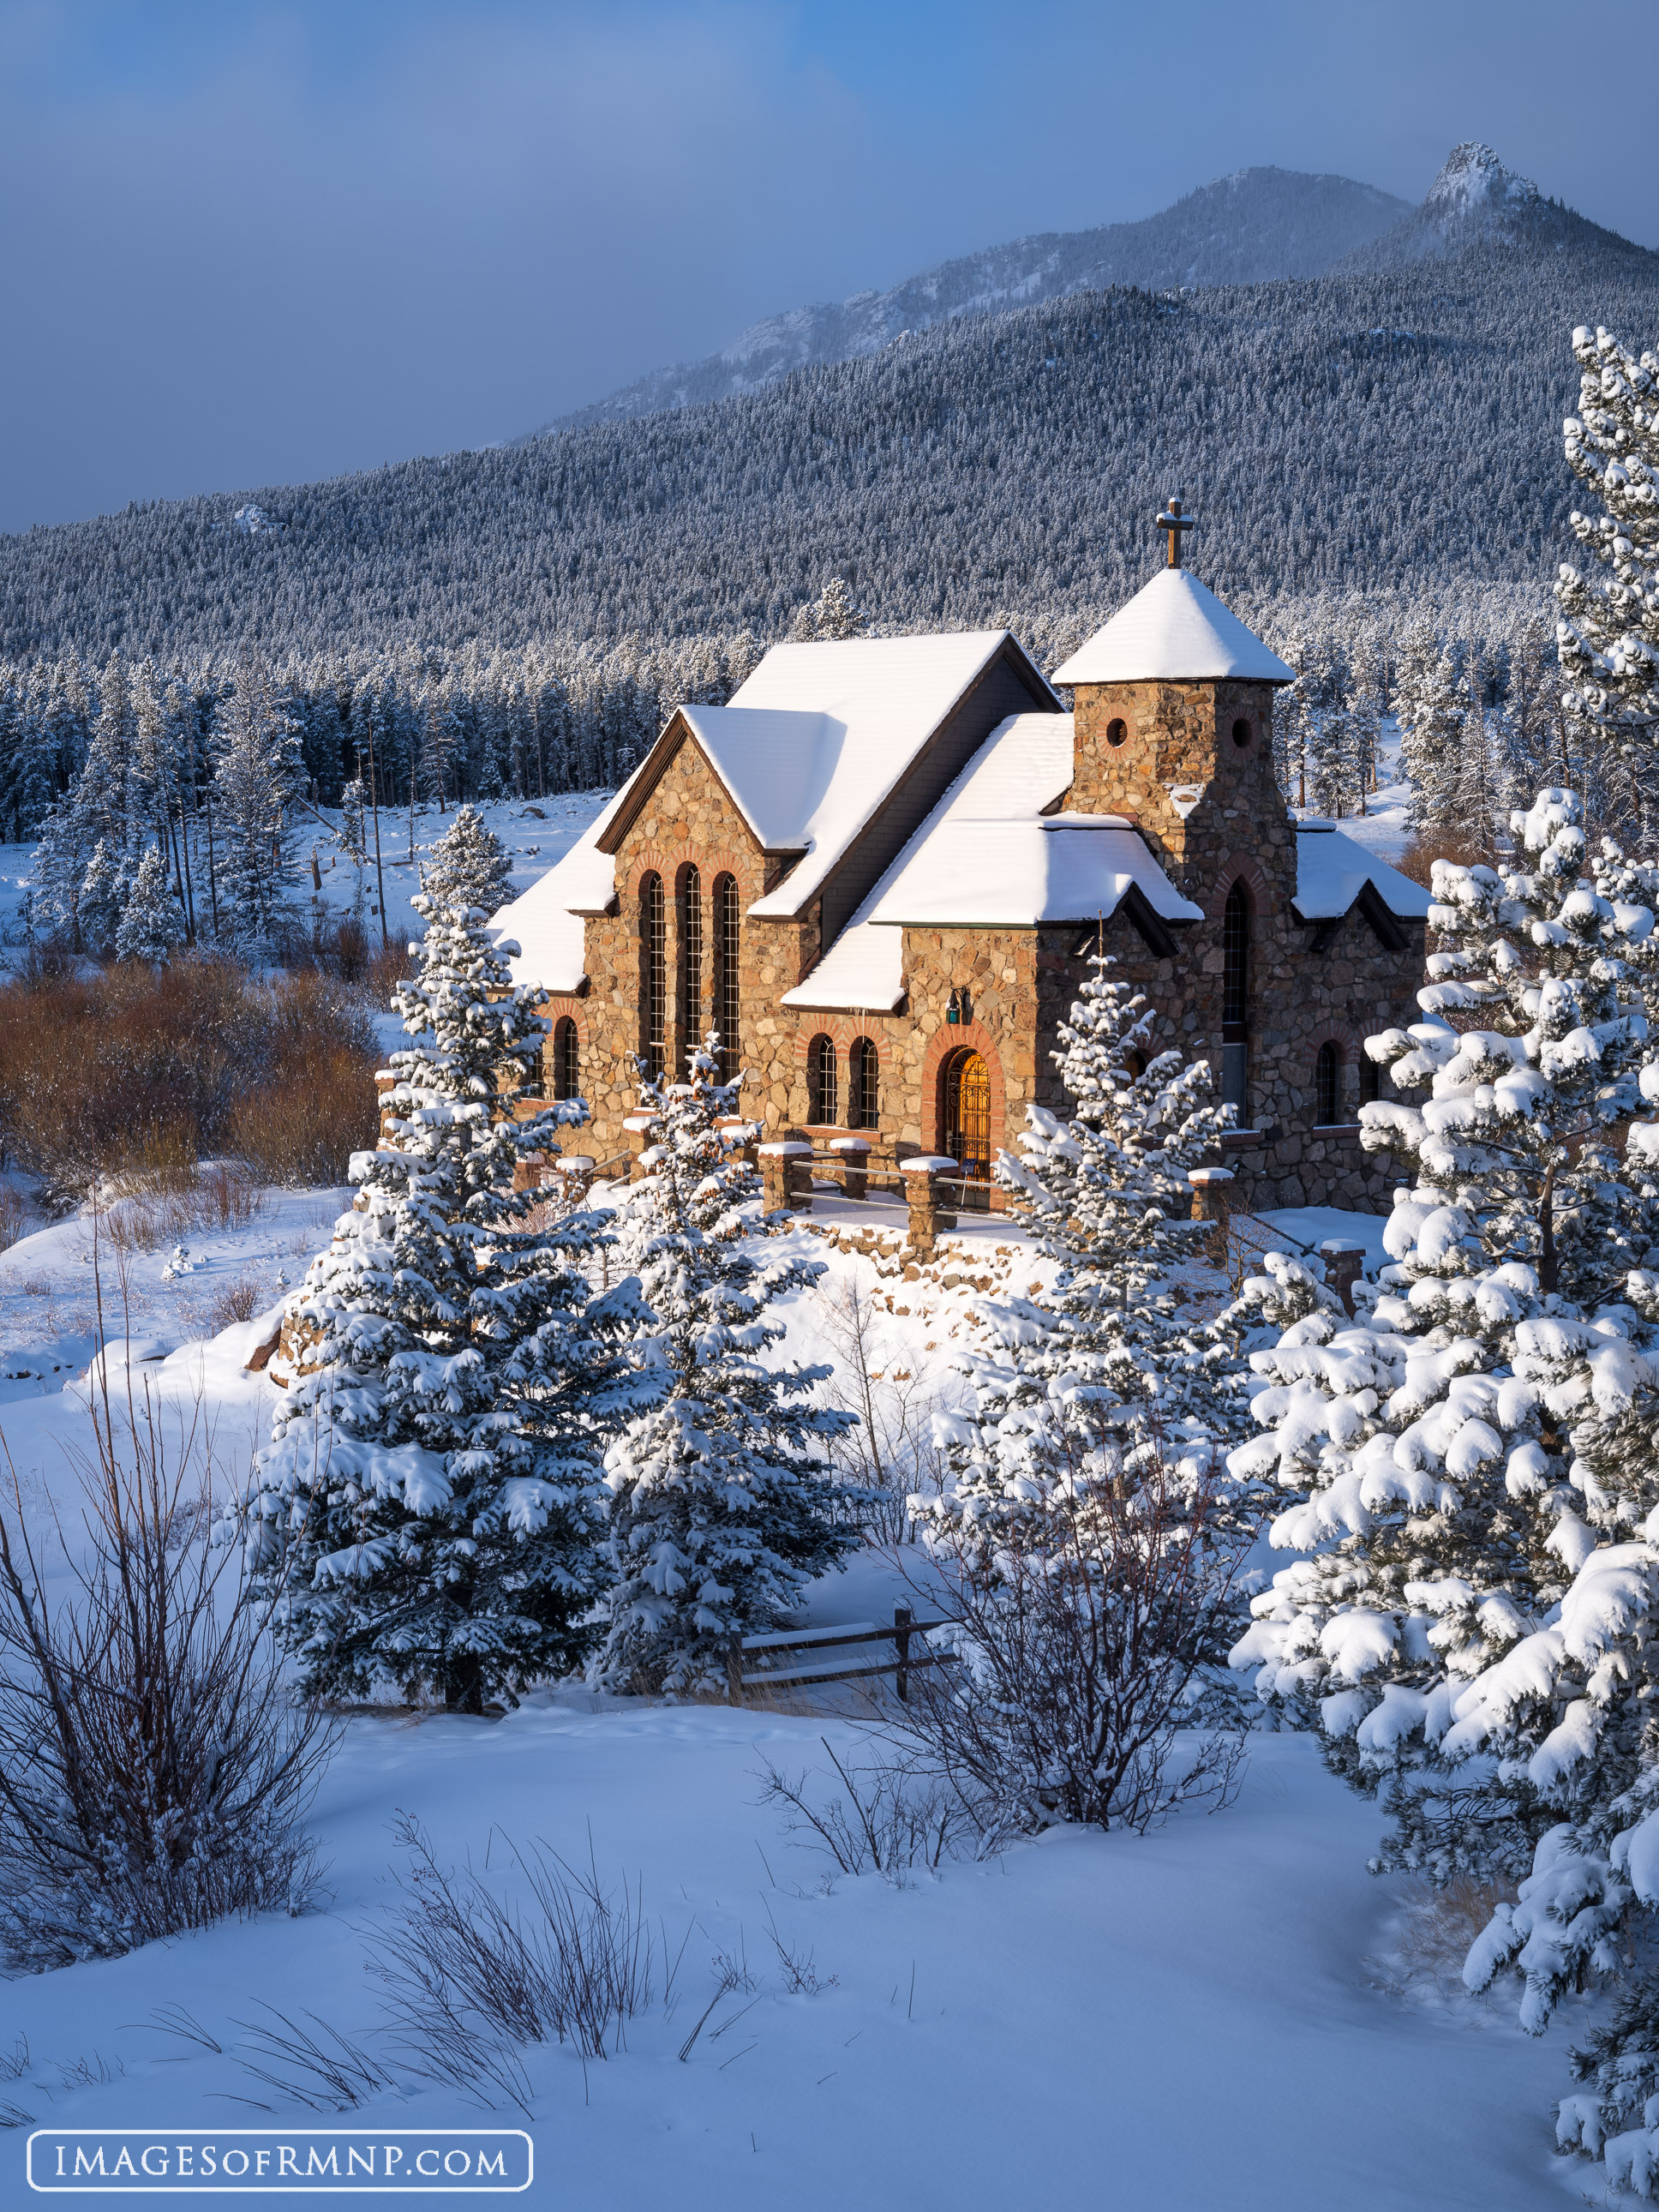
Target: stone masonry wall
(1018, 985)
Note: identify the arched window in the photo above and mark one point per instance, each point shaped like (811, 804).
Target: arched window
(1236, 1002)
(1371, 1080)
(653, 992)
(567, 1060)
(727, 947)
(821, 1082)
(863, 1093)
(1328, 1085)
(1116, 732)
(691, 956)
(965, 1119)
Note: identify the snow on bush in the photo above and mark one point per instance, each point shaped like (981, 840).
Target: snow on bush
(1087, 1540)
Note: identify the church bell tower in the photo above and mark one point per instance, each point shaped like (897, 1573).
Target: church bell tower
(1172, 713)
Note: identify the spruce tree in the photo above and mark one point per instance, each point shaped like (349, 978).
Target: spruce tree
(722, 1505)
(1460, 1456)
(431, 1502)
(253, 787)
(1432, 705)
(152, 926)
(469, 865)
(1102, 1367)
(1609, 633)
(101, 896)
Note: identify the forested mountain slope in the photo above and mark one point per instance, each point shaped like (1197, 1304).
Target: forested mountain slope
(1248, 229)
(1395, 430)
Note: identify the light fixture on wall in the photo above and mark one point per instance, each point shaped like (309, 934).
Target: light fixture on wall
(956, 1012)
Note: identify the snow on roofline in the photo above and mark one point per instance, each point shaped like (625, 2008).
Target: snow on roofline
(1014, 874)
(1332, 869)
(546, 919)
(882, 700)
(1175, 629)
(988, 856)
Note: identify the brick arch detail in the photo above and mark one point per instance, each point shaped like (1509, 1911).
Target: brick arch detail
(843, 1031)
(669, 860)
(1337, 1033)
(1255, 882)
(949, 1038)
(555, 1009)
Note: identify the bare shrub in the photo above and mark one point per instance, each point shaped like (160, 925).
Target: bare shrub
(135, 1073)
(154, 1774)
(1084, 1623)
(234, 1302)
(1427, 846)
(303, 1126)
(896, 1814)
(14, 1217)
(228, 1195)
(327, 2071)
(801, 1977)
(386, 969)
(468, 1977)
(888, 1455)
(1430, 1940)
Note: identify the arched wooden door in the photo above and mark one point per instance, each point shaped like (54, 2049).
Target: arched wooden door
(965, 1119)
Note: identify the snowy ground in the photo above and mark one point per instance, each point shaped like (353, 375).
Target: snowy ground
(1188, 2020)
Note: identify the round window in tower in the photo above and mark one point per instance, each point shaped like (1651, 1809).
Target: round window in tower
(1242, 733)
(1116, 732)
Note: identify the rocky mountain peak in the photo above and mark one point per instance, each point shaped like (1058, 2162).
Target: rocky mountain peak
(1472, 179)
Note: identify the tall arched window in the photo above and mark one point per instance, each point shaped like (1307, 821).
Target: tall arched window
(691, 955)
(1236, 1002)
(728, 928)
(863, 1094)
(820, 1107)
(1328, 1085)
(567, 1060)
(653, 992)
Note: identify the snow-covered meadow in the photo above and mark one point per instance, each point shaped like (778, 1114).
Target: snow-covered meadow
(1228, 2009)
(1215, 2012)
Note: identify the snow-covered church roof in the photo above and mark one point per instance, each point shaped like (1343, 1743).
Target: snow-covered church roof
(811, 748)
(1333, 870)
(1177, 629)
(989, 857)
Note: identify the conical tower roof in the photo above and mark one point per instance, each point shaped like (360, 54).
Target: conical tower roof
(1175, 629)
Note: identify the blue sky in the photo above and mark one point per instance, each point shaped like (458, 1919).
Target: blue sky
(249, 244)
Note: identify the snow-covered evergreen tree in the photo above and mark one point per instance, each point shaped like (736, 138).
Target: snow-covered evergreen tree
(152, 925)
(251, 789)
(469, 865)
(722, 1505)
(431, 1502)
(353, 837)
(1459, 1459)
(102, 895)
(1431, 704)
(1609, 632)
(1103, 1369)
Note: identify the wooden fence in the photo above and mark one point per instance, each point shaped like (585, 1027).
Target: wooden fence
(809, 1671)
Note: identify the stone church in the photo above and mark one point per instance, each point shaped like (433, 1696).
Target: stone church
(880, 872)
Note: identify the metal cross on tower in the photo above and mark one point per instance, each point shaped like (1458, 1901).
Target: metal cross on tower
(1173, 522)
